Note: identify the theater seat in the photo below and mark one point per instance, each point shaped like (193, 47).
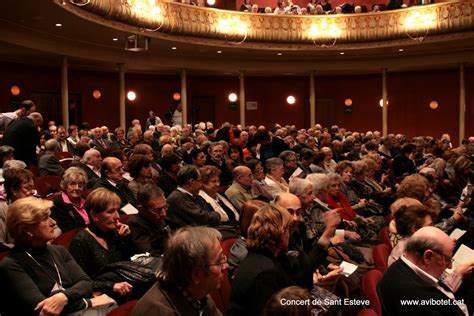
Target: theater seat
(65, 163)
(63, 154)
(47, 184)
(124, 309)
(369, 289)
(34, 170)
(66, 238)
(3, 255)
(385, 238)
(380, 254)
(227, 244)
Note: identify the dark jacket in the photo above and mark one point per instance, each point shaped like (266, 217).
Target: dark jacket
(49, 166)
(24, 137)
(66, 215)
(122, 190)
(148, 236)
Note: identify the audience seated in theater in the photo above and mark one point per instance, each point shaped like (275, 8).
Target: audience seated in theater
(290, 163)
(140, 170)
(246, 6)
(38, 277)
(105, 241)
(18, 184)
(394, 4)
(403, 163)
(150, 140)
(427, 254)
(73, 136)
(216, 201)
(112, 179)
(69, 207)
(120, 141)
(22, 134)
(193, 266)
(268, 268)
(63, 143)
(92, 162)
(197, 158)
(328, 164)
(48, 163)
(185, 206)
(236, 157)
(274, 177)
(98, 142)
(168, 178)
(241, 189)
(405, 202)
(145, 149)
(149, 231)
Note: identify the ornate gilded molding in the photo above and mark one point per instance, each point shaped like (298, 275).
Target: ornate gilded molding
(176, 19)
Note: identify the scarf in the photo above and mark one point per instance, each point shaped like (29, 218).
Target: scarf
(342, 204)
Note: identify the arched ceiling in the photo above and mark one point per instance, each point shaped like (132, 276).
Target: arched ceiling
(29, 35)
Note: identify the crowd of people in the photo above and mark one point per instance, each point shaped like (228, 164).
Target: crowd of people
(150, 206)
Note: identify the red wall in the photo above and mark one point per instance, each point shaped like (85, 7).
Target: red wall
(409, 94)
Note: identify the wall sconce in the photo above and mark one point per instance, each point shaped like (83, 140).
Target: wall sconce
(15, 90)
(418, 23)
(434, 105)
(234, 30)
(348, 102)
(96, 94)
(232, 97)
(131, 95)
(176, 96)
(324, 34)
(291, 100)
(381, 103)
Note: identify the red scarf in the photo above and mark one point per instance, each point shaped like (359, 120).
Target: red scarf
(342, 204)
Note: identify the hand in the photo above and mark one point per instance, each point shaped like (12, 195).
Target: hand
(102, 300)
(351, 223)
(122, 288)
(123, 229)
(352, 235)
(383, 177)
(331, 219)
(335, 272)
(362, 203)
(337, 240)
(52, 305)
(465, 269)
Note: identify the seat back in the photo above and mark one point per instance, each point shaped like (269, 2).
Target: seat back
(34, 169)
(63, 154)
(380, 254)
(65, 238)
(227, 244)
(124, 309)
(47, 184)
(222, 295)
(385, 238)
(369, 289)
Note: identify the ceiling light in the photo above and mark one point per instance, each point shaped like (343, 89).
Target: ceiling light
(341, 53)
(400, 49)
(173, 48)
(114, 39)
(58, 24)
(279, 54)
(219, 52)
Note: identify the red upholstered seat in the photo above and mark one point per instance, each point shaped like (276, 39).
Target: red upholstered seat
(369, 289)
(380, 254)
(34, 170)
(66, 163)
(63, 154)
(66, 238)
(226, 245)
(385, 238)
(47, 184)
(124, 309)
(222, 295)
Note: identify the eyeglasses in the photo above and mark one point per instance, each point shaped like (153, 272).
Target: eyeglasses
(159, 209)
(446, 258)
(221, 263)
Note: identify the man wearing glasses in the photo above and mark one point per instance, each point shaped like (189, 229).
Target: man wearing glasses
(412, 285)
(149, 231)
(193, 266)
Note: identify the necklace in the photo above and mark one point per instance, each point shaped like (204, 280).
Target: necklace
(58, 285)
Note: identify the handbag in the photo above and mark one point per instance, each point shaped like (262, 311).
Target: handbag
(138, 274)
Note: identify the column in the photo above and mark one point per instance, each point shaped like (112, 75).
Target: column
(64, 94)
(384, 102)
(242, 97)
(312, 101)
(184, 99)
(462, 104)
(123, 123)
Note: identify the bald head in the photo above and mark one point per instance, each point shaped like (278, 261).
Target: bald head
(51, 145)
(292, 203)
(242, 175)
(431, 250)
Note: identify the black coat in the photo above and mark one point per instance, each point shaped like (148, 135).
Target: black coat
(24, 137)
(400, 282)
(92, 177)
(66, 215)
(122, 190)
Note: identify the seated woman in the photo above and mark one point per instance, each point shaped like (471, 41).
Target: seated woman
(259, 187)
(68, 210)
(268, 268)
(38, 277)
(400, 203)
(274, 171)
(140, 170)
(215, 201)
(168, 178)
(18, 184)
(103, 242)
(236, 157)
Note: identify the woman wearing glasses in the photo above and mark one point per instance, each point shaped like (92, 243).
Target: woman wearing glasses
(68, 210)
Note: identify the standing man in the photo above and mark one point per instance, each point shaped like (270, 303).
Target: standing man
(23, 135)
(177, 117)
(193, 266)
